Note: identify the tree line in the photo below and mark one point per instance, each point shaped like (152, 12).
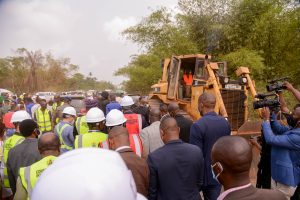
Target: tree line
(263, 35)
(33, 71)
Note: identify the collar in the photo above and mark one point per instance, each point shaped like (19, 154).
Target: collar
(94, 131)
(225, 193)
(122, 147)
(17, 133)
(174, 141)
(128, 112)
(64, 122)
(156, 122)
(212, 113)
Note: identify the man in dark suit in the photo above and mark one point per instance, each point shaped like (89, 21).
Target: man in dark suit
(204, 133)
(119, 141)
(231, 162)
(183, 123)
(176, 169)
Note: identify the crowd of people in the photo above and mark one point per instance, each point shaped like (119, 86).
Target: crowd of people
(127, 150)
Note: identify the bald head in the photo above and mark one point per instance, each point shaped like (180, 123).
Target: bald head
(169, 129)
(118, 136)
(154, 115)
(173, 109)
(163, 109)
(49, 144)
(206, 103)
(234, 153)
(207, 99)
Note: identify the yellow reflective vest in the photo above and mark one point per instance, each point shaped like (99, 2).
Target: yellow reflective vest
(43, 119)
(81, 125)
(29, 175)
(59, 131)
(91, 139)
(14, 140)
(54, 107)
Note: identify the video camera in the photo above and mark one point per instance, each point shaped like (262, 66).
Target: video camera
(276, 84)
(265, 100)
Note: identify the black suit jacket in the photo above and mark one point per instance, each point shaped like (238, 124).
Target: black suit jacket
(252, 193)
(185, 126)
(176, 172)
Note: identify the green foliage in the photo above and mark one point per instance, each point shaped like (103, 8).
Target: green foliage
(246, 58)
(143, 71)
(161, 38)
(263, 35)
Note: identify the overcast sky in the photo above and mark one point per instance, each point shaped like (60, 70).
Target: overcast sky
(87, 31)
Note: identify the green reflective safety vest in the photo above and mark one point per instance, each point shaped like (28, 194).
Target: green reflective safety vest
(29, 175)
(91, 139)
(81, 125)
(59, 130)
(14, 140)
(54, 107)
(43, 119)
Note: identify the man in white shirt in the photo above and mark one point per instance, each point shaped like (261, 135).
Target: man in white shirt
(150, 135)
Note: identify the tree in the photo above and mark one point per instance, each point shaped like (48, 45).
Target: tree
(32, 71)
(161, 37)
(246, 58)
(143, 71)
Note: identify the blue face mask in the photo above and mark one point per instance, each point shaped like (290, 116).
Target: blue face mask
(213, 173)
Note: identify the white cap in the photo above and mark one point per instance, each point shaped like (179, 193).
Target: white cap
(87, 173)
(69, 111)
(19, 116)
(94, 115)
(126, 101)
(115, 117)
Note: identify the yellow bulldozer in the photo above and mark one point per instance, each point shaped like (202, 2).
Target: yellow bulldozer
(186, 77)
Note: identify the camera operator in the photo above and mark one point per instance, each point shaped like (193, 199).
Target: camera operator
(285, 153)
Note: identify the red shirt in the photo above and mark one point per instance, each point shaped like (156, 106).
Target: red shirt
(6, 120)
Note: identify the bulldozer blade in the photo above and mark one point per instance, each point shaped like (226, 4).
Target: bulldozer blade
(250, 128)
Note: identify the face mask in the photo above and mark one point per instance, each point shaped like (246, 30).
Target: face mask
(213, 173)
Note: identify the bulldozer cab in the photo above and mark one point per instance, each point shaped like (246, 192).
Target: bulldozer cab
(185, 71)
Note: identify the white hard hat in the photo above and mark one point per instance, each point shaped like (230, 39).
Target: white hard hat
(94, 115)
(20, 116)
(87, 173)
(126, 101)
(115, 117)
(69, 111)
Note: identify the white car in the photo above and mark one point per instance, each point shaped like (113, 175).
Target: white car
(46, 95)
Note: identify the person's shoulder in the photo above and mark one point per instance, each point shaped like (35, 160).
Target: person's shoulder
(192, 147)
(270, 194)
(151, 126)
(158, 152)
(17, 148)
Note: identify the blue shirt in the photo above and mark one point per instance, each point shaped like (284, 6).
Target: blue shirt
(67, 135)
(113, 105)
(28, 108)
(285, 153)
(204, 133)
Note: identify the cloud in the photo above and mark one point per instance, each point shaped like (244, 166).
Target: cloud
(88, 32)
(115, 27)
